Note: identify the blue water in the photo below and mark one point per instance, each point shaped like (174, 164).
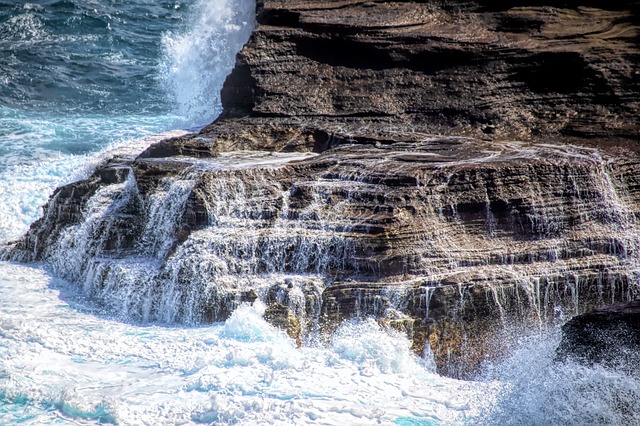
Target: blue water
(84, 78)
(78, 75)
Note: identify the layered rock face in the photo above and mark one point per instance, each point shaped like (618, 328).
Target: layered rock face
(375, 70)
(451, 168)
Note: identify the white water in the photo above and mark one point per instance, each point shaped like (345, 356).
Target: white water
(536, 390)
(27, 181)
(41, 151)
(64, 362)
(217, 31)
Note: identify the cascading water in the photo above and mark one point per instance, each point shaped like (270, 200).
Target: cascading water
(251, 241)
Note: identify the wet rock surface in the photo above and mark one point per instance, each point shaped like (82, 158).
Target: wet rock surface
(450, 241)
(452, 168)
(609, 336)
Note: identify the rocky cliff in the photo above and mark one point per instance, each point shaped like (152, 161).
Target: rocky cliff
(453, 168)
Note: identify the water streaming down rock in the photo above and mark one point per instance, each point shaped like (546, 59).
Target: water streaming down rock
(450, 239)
(449, 247)
(194, 246)
(491, 233)
(80, 77)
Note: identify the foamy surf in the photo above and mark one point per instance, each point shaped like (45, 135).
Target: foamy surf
(85, 81)
(55, 131)
(64, 361)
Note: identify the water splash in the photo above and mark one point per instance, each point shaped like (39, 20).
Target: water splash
(552, 393)
(27, 182)
(81, 77)
(243, 370)
(197, 60)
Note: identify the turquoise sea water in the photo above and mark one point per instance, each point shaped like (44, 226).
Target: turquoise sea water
(82, 78)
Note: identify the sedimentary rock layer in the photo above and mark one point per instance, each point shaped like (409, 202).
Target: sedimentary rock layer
(448, 240)
(372, 70)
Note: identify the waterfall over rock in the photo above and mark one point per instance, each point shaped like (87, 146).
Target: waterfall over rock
(448, 246)
(382, 159)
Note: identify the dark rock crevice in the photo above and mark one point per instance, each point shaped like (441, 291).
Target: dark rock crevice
(608, 336)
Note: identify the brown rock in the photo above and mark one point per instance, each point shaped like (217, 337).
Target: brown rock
(282, 317)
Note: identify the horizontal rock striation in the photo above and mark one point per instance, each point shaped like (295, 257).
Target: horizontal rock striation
(366, 71)
(448, 240)
(455, 169)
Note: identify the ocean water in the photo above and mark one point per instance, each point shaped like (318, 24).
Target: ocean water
(81, 79)
(78, 78)
(65, 362)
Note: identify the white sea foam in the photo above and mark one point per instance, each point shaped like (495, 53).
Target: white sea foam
(27, 183)
(24, 27)
(39, 153)
(61, 361)
(26, 187)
